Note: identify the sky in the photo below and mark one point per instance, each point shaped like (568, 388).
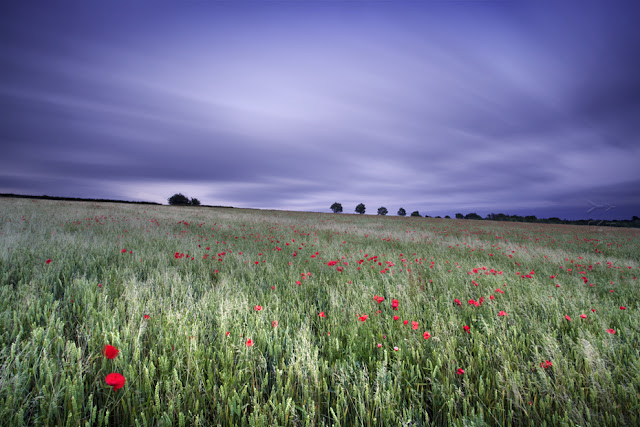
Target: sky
(440, 106)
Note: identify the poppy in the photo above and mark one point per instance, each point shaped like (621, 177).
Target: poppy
(426, 335)
(47, 261)
(274, 323)
(396, 317)
(146, 317)
(396, 348)
(258, 307)
(115, 380)
(466, 328)
(460, 371)
(457, 301)
(394, 304)
(611, 331)
(502, 313)
(363, 318)
(110, 351)
(623, 308)
(249, 342)
(583, 316)
(322, 314)
(414, 325)
(546, 364)
(568, 318)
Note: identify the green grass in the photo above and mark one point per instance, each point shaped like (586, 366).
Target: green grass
(188, 364)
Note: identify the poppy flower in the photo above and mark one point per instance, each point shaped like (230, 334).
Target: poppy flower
(611, 331)
(426, 335)
(396, 317)
(568, 318)
(363, 318)
(414, 325)
(146, 317)
(394, 304)
(47, 261)
(583, 316)
(395, 349)
(502, 313)
(115, 380)
(110, 351)
(322, 314)
(249, 342)
(124, 251)
(258, 307)
(460, 371)
(466, 328)
(457, 301)
(623, 308)
(406, 322)
(274, 323)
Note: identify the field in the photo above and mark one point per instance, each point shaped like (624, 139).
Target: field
(248, 317)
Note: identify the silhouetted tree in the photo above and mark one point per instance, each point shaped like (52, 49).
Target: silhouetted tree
(336, 207)
(194, 202)
(635, 218)
(459, 216)
(415, 213)
(179, 199)
(447, 217)
(382, 210)
(472, 215)
(360, 208)
(402, 212)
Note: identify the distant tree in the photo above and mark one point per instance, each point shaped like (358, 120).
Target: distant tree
(194, 202)
(530, 218)
(438, 216)
(360, 208)
(179, 199)
(382, 210)
(635, 218)
(459, 216)
(336, 207)
(447, 217)
(472, 215)
(402, 212)
(415, 213)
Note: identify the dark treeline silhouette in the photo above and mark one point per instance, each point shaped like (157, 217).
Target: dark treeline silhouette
(75, 199)
(633, 222)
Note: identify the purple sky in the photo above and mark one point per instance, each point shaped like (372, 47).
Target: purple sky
(519, 107)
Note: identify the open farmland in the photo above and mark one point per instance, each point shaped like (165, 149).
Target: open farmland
(246, 317)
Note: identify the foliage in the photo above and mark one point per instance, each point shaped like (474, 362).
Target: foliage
(415, 213)
(382, 210)
(472, 215)
(402, 212)
(360, 208)
(179, 199)
(185, 292)
(336, 207)
(459, 216)
(194, 202)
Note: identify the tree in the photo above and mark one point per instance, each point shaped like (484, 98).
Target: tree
(382, 210)
(402, 212)
(194, 202)
(459, 216)
(179, 199)
(336, 207)
(472, 215)
(360, 208)
(447, 217)
(415, 213)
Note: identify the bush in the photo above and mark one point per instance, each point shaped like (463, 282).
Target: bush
(179, 199)
(415, 213)
(194, 202)
(336, 207)
(360, 208)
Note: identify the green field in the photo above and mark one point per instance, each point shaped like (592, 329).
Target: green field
(212, 281)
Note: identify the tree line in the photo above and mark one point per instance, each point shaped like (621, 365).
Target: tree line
(633, 222)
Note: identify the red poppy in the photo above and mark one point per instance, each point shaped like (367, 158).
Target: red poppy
(110, 351)
(363, 318)
(457, 301)
(466, 328)
(396, 317)
(47, 261)
(258, 307)
(414, 325)
(146, 317)
(394, 304)
(611, 331)
(583, 316)
(124, 251)
(623, 308)
(426, 335)
(322, 314)
(274, 323)
(546, 364)
(460, 371)
(502, 313)
(406, 322)
(249, 342)
(568, 318)
(115, 380)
